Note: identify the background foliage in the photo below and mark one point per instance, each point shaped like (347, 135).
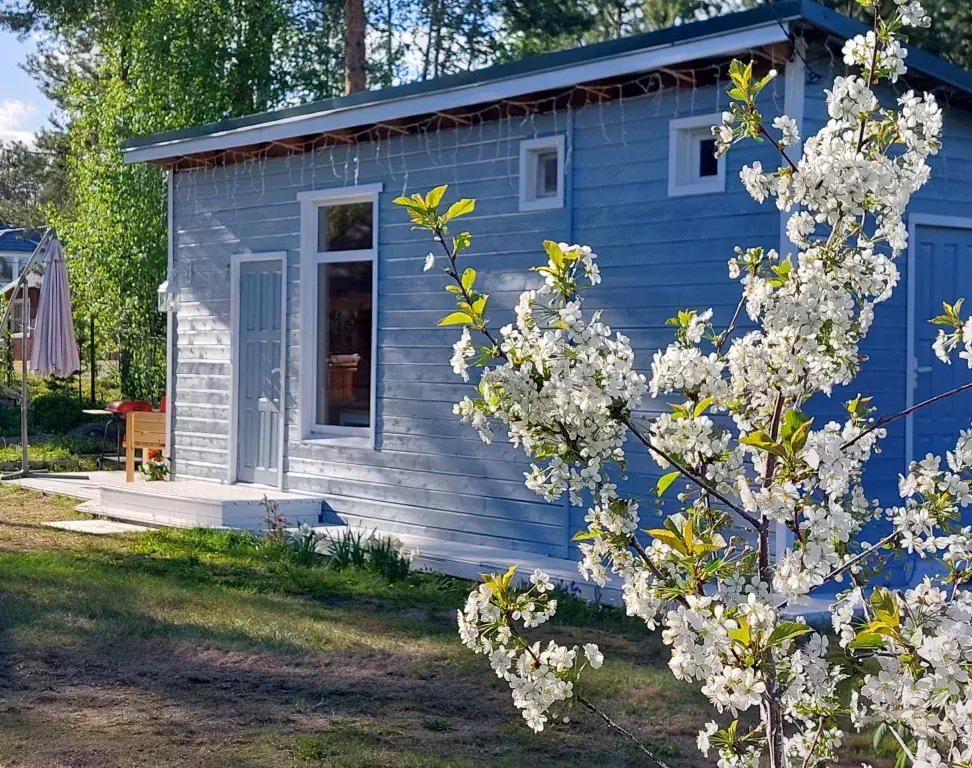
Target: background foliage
(121, 68)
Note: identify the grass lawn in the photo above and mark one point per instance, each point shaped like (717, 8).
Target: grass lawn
(62, 450)
(197, 649)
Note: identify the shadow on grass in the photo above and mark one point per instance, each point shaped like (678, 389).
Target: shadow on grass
(263, 659)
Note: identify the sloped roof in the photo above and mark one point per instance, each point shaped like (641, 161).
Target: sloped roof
(764, 25)
(17, 240)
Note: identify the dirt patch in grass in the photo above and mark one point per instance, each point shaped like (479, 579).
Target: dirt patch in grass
(23, 511)
(166, 651)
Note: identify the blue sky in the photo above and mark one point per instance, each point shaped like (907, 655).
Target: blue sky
(23, 108)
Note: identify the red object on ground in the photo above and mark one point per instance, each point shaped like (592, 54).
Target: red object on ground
(127, 406)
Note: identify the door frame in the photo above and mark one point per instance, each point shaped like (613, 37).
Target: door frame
(916, 220)
(236, 260)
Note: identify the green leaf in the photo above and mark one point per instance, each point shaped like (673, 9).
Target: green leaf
(409, 203)
(763, 442)
(867, 640)
(479, 306)
(461, 241)
(792, 420)
(788, 630)
(761, 84)
(794, 429)
(554, 252)
(858, 406)
(508, 576)
(681, 412)
(456, 318)
(743, 635)
(468, 278)
(434, 196)
(669, 538)
(665, 481)
(583, 536)
(799, 438)
(460, 208)
(702, 406)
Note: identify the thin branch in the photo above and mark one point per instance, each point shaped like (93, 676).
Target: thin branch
(454, 274)
(906, 412)
(849, 564)
(619, 728)
(624, 731)
(720, 342)
(870, 76)
(776, 144)
(900, 741)
(816, 740)
(636, 545)
(689, 475)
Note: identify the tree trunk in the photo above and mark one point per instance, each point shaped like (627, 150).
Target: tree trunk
(355, 79)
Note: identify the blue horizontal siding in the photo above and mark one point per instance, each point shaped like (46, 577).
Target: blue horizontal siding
(431, 474)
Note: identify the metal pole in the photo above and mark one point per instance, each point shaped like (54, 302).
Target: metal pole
(24, 347)
(91, 363)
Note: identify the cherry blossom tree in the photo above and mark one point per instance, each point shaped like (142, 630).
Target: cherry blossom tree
(749, 462)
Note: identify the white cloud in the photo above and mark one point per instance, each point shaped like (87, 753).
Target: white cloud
(15, 116)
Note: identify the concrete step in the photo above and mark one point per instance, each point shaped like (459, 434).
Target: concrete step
(142, 517)
(188, 504)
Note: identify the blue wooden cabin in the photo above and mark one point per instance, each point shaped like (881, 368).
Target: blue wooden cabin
(304, 351)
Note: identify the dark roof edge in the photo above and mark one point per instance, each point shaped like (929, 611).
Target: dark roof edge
(787, 10)
(732, 22)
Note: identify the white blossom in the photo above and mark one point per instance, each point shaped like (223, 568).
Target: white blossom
(741, 458)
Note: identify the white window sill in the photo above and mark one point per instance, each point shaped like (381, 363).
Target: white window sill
(542, 204)
(343, 439)
(708, 188)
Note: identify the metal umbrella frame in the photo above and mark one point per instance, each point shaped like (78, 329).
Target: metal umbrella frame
(21, 293)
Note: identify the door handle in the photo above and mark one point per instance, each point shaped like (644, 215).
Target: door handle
(923, 369)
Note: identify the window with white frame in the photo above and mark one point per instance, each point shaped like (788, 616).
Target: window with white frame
(542, 173)
(693, 168)
(339, 250)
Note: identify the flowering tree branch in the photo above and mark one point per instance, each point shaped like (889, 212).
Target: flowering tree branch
(623, 731)
(847, 565)
(885, 420)
(691, 476)
(564, 387)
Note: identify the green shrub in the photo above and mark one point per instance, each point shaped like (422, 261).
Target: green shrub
(9, 420)
(383, 555)
(347, 549)
(386, 557)
(54, 413)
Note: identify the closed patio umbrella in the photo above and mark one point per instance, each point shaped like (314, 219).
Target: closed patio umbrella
(55, 347)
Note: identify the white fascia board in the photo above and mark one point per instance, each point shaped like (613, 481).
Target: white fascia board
(369, 114)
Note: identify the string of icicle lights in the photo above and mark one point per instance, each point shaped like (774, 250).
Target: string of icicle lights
(336, 158)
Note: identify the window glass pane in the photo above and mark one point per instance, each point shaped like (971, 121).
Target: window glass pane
(546, 173)
(344, 344)
(708, 162)
(344, 227)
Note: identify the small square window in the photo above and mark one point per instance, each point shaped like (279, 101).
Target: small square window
(708, 162)
(542, 173)
(693, 168)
